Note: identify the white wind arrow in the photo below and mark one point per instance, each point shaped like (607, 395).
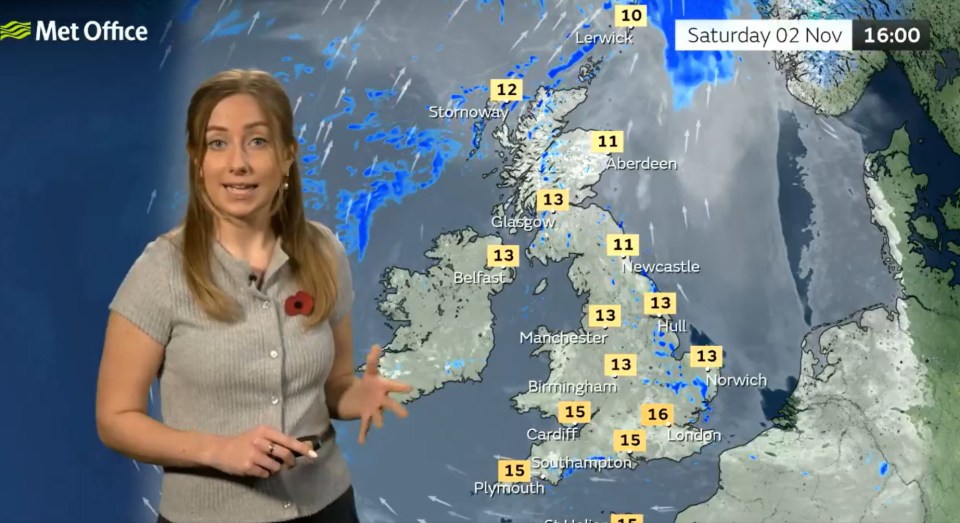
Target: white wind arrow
(402, 90)
(455, 11)
(326, 152)
(353, 64)
(384, 503)
(562, 16)
(166, 30)
(540, 21)
(397, 79)
(165, 55)
(438, 500)
(522, 36)
(375, 4)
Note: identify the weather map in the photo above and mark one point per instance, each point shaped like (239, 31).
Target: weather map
(636, 269)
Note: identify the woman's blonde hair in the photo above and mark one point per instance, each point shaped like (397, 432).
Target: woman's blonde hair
(310, 250)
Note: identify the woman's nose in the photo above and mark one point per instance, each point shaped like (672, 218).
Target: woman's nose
(238, 160)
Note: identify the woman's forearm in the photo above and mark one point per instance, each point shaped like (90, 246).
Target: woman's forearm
(138, 436)
(336, 387)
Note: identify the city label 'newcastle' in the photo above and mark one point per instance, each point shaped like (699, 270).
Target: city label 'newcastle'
(93, 31)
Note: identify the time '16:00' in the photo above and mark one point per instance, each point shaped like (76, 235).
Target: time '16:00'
(885, 34)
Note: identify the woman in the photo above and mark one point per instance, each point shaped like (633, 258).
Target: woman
(244, 313)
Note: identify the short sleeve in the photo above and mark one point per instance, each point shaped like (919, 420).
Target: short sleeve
(345, 293)
(144, 295)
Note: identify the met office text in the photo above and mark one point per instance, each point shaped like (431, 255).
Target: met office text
(93, 31)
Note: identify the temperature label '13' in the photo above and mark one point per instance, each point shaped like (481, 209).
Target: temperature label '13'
(553, 200)
(503, 255)
(706, 356)
(659, 303)
(619, 364)
(603, 315)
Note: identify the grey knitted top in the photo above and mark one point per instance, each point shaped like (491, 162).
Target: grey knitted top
(227, 378)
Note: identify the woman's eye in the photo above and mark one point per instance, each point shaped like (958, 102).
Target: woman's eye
(214, 143)
(260, 141)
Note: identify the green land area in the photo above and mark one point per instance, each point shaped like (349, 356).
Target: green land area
(943, 103)
(934, 319)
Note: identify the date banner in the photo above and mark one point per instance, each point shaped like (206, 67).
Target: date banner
(802, 35)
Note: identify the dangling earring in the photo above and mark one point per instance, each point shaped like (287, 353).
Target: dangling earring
(286, 184)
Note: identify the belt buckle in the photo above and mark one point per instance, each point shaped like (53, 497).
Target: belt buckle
(316, 441)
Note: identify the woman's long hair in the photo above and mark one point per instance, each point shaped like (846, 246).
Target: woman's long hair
(310, 250)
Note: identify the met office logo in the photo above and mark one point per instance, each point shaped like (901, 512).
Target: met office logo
(14, 29)
(92, 31)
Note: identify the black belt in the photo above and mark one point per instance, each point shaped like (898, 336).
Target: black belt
(317, 441)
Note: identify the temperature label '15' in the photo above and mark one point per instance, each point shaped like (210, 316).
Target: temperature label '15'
(513, 470)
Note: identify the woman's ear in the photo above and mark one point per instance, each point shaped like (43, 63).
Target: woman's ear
(291, 157)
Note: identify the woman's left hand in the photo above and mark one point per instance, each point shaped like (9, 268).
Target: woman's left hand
(367, 397)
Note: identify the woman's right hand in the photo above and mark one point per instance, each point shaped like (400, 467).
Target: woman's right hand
(253, 452)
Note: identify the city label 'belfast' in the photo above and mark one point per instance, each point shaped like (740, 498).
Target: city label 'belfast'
(93, 31)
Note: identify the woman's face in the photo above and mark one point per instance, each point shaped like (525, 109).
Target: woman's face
(240, 171)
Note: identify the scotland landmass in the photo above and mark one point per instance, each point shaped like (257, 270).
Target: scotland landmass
(545, 157)
(874, 433)
(444, 318)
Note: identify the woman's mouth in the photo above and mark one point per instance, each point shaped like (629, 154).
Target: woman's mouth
(240, 188)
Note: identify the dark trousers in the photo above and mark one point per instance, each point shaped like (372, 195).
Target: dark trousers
(342, 510)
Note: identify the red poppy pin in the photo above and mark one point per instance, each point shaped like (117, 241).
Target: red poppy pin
(299, 303)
